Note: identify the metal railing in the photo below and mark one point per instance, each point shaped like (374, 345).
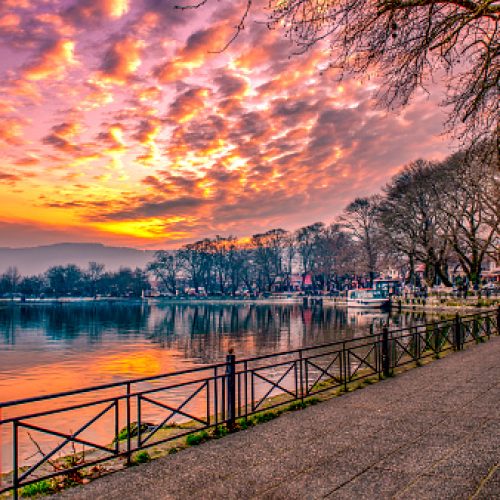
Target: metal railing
(190, 401)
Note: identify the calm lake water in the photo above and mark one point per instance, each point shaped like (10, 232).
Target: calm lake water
(59, 347)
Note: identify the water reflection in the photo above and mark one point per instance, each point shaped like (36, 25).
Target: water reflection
(202, 332)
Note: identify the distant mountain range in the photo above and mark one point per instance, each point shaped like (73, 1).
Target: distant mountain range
(35, 260)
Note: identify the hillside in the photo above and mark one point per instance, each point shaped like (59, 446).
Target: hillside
(34, 260)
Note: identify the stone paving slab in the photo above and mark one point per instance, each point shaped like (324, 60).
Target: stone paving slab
(432, 432)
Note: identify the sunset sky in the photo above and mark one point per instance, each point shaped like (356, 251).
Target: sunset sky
(121, 122)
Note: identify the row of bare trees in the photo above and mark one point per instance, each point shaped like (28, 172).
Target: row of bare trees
(264, 262)
(448, 212)
(438, 214)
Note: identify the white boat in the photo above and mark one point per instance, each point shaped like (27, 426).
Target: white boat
(367, 298)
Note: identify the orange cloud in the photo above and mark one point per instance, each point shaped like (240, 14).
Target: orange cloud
(113, 138)
(149, 94)
(62, 135)
(9, 178)
(199, 47)
(87, 11)
(122, 60)
(21, 4)
(148, 130)
(57, 23)
(188, 104)
(52, 62)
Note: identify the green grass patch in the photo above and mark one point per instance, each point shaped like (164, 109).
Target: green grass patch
(43, 487)
(198, 438)
(260, 418)
(141, 457)
(220, 431)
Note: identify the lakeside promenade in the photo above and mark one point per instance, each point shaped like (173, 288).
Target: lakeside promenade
(432, 432)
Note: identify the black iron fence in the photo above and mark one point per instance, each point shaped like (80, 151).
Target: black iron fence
(187, 402)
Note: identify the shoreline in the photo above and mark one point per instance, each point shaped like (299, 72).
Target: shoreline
(419, 305)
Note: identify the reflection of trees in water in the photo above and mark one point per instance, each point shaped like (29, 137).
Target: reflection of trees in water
(207, 331)
(204, 332)
(70, 321)
(8, 321)
(94, 320)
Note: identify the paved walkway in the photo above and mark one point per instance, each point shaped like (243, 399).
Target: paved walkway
(433, 432)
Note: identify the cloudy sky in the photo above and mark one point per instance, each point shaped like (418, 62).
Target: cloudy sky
(122, 122)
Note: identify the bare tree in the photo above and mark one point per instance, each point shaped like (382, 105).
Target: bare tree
(289, 252)
(307, 240)
(361, 220)
(192, 263)
(413, 220)
(268, 255)
(165, 267)
(405, 42)
(471, 203)
(235, 258)
(12, 279)
(93, 275)
(224, 252)
(333, 248)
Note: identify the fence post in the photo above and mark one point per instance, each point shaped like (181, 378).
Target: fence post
(231, 389)
(475, 330)
(345, 375)
(437, 339)
(15, 472)
(498, 320)
(129, 430)
(417, 344)
(457, 333)
(302, 374)
(386, 361)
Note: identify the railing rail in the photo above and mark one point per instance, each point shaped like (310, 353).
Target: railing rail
(221, 393)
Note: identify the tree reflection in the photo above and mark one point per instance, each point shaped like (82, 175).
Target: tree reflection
(201, 332)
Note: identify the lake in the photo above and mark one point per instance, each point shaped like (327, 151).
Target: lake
(46, 348)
